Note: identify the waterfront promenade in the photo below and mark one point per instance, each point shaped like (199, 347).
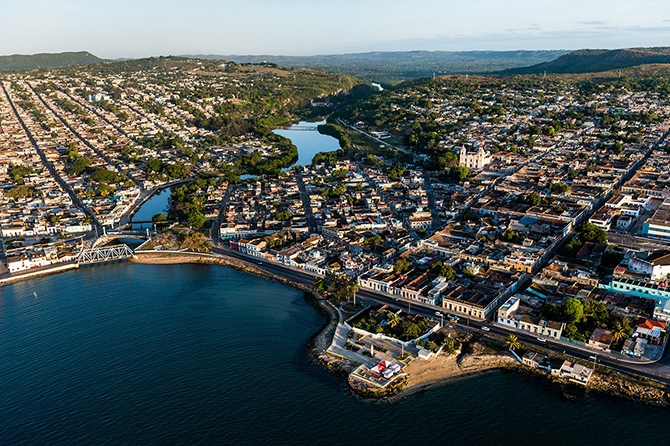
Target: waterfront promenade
(658, 370)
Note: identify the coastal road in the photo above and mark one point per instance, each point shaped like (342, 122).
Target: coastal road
(659, 371)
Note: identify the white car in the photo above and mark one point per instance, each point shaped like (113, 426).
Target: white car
(542, 339)
(486, 329)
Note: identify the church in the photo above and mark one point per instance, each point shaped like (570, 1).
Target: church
(474, 160)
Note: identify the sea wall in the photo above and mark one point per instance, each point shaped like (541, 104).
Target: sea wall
(173, 257)
(53, 269)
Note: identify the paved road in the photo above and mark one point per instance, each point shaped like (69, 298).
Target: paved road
(396, 214)
(98, 152)
(92, 109)
(428, 185)
(306, 204)
(381, 141)
(215, 231)
(66, 187)
(635, 242)
(659, 371)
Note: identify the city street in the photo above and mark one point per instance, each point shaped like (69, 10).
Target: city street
(659, 371)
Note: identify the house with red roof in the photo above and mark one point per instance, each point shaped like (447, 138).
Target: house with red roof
(650, 329)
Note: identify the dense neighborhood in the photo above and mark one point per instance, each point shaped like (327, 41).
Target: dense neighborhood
(543, 208)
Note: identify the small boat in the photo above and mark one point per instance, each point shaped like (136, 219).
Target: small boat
(34, 294)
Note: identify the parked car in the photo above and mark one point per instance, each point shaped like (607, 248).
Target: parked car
(542, 339)
(486, 329)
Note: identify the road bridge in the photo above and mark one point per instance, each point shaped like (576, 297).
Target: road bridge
(105, 254)
(307, 128)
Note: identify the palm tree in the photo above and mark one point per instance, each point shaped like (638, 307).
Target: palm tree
(619, 333)
(512, 342)
(393, 320)
(352, 288)
(320, 285)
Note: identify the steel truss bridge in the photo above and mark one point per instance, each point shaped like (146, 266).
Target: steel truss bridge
(105, 254)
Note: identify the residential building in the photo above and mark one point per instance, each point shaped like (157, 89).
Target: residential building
(575, 373)
(512, 315)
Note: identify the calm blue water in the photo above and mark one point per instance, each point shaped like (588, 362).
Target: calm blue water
(157, 203)
(126, 354)
(309, 143)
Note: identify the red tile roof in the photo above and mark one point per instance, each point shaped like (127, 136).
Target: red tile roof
(649, 324)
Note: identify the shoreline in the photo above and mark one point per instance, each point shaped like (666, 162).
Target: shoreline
(43, 271)
(421, 374)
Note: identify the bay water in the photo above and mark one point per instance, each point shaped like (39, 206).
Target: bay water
(130, 354)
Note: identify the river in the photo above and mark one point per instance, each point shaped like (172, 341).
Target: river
(309, 142)
(128, 354)
(158, 202)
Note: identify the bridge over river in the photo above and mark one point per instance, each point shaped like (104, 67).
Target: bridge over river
(95, 251)
(104, 254)
(307, 128)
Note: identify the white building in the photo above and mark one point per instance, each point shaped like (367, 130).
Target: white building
(509, 315)
(475, 160)
(28, 261)
(656, 266)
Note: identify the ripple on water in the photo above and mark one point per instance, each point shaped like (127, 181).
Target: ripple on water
(197, 354)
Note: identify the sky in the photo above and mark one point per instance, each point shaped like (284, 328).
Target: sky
(140, 28)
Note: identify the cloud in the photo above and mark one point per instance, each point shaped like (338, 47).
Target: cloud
(594, 22)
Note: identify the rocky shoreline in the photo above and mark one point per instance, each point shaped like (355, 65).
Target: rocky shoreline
(421, 374)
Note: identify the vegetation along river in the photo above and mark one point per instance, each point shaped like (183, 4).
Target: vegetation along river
(198, 354)
(308, 142)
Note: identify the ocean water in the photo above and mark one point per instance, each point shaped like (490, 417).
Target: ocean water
(129, 354)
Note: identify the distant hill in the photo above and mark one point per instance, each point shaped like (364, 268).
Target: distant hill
(47, 60)
(594, 61)
(393, 67)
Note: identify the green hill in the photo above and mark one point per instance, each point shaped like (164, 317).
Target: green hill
(395, 66)
(593, 61)
(47, 60)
